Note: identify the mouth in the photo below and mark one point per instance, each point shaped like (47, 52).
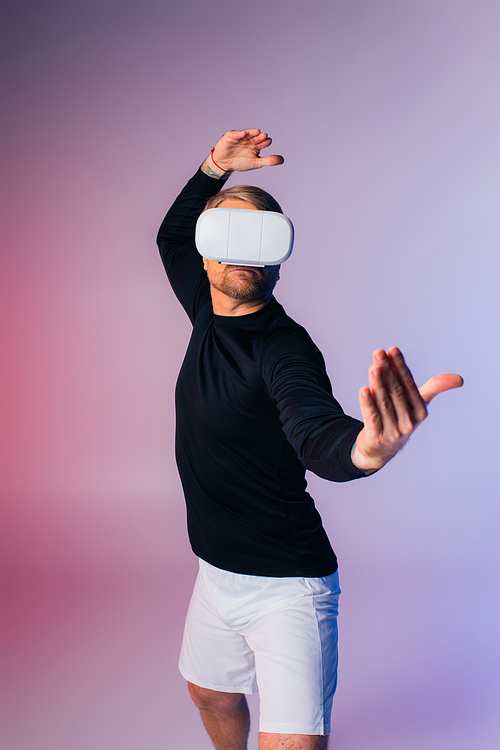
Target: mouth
(245, 269)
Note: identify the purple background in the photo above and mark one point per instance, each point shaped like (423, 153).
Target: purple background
(388, 116)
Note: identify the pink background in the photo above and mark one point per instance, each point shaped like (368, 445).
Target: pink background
(388, 116)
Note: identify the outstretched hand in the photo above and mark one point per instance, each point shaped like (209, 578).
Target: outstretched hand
(239, 151)
(392, 407)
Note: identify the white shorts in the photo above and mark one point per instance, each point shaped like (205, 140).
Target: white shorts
(275, 636)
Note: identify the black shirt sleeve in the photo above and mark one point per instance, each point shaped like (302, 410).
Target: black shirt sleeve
(183, 263)
(315, 424)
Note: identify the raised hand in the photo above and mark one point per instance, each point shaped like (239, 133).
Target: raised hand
(392, 407)
(239, 151)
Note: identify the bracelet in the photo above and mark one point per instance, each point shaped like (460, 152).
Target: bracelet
(222, 170)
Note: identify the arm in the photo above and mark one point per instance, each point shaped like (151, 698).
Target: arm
(182, 262)
(314, 423)
(392, 407)
(328, 442)
(237, 150)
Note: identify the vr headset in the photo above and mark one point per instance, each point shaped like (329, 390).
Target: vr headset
(244, 236)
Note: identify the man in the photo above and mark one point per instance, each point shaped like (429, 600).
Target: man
(254, 411)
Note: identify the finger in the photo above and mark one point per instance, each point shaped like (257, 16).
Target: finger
(263, 140)
(261, 135)
(238, 135)
(383, 402)
(370, 413)
(269, 161)
(417, 406)
(262, 144)
(439, 384)
(395, 393)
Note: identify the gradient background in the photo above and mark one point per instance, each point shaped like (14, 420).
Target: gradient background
(387, 113)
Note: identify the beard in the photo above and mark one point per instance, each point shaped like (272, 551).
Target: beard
(245, 286)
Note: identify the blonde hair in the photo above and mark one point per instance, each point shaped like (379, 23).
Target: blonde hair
(256, 196)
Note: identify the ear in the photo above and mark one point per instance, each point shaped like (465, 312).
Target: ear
(204, 263)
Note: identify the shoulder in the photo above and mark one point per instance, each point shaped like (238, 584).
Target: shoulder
(284, 335)
(288, 351)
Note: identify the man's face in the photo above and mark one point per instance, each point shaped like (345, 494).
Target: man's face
(241, 282)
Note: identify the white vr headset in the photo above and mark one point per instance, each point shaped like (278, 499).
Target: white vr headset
(244, 236)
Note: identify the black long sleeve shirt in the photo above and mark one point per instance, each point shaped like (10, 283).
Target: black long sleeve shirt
(254, 410)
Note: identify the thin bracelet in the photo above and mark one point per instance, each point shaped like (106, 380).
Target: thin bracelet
(222, 170)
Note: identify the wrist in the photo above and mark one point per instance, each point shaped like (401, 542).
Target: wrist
(362, 462)
(214, 169)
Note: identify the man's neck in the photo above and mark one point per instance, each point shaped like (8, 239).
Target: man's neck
(224, 305)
